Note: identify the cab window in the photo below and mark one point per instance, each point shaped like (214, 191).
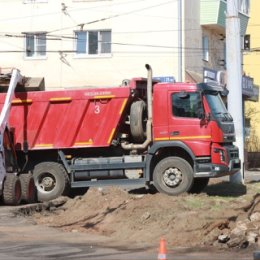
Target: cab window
(186, 104)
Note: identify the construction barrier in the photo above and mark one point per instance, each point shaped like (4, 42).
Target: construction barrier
(162, 250)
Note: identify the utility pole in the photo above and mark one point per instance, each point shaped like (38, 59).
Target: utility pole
(234, 80)
(180, 40)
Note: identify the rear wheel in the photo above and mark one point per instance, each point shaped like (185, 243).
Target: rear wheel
(12, 192)
(28, 188)
(173, 176)
(199, 185)
(51, 180)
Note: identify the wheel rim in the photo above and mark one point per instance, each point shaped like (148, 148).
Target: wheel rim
(46, 182)
(172, 177)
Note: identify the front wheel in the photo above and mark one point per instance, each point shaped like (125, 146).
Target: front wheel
(173, 176)
(51, 180)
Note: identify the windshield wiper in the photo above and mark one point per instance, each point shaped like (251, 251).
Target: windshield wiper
(225, 116)
(229, 116)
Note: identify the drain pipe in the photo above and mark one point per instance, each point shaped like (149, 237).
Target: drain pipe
(148, 140)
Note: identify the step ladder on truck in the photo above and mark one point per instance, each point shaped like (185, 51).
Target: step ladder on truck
(14, 187)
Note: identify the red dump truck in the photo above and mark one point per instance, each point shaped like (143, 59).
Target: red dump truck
(173, 136)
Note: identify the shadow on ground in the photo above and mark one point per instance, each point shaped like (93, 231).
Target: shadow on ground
(226, 189)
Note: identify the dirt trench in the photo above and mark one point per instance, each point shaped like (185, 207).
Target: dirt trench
(225, 215)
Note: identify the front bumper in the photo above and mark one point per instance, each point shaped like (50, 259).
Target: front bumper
(216, 170)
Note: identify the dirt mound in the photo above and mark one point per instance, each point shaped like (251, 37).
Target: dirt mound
(225, 215)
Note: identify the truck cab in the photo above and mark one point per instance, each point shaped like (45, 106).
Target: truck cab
(193, 120)
(197, 117)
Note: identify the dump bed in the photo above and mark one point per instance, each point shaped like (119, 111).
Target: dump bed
(67, 118)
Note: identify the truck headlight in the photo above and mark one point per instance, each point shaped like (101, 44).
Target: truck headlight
(221, 154)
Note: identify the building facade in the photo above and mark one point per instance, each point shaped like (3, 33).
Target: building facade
(251, 67)
(89, 43)
(74, 43)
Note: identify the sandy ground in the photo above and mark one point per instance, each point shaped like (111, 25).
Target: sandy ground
(224, 216)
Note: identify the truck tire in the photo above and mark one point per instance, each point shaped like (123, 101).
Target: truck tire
(173, 176)
(199, 185)
(12, 191)
(138, 118)
(51, 180)
(28, 188)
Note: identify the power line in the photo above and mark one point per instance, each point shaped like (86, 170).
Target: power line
(81, 25)
(18, 35)
(73, 10)
(69, 9)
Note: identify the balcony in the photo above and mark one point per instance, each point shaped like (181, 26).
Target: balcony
(212, 14)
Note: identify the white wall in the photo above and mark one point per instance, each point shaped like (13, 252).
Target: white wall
(135, 24)
(193, 36)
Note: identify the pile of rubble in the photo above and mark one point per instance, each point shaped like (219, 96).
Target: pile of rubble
(238, 231)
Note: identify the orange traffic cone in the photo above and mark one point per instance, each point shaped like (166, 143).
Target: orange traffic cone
(162, 250)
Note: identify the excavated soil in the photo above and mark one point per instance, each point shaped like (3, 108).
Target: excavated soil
(225, 215)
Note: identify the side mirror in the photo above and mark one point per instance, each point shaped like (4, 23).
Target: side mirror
(201, 114)
(224, 93)
(208, 117)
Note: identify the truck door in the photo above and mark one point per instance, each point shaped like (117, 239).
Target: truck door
(186, 122)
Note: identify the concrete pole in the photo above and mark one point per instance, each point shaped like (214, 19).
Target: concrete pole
(234, 80)
(180, 41)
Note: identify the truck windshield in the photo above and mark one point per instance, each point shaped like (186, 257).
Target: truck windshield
(217, 107)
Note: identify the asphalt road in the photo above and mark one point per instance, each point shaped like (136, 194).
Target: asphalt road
(21, 239)
(252, 175)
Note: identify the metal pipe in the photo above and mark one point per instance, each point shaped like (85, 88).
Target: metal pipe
(148, 140)
(149, 91)
(142, 146)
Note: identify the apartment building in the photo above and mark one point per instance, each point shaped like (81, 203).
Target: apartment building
(86, 43)
(251, 67)
(74, 43)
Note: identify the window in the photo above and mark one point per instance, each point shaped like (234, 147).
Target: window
(34, 1)
(186, 105)
(205, 48)
(90, 0)
(35, 44)
(93, 42)
(243, 6)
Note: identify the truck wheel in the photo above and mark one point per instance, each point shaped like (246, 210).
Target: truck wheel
(12, 192)
(173, 175)
(51, 180)
(138, 118)
(28, 188)
(199, 185)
